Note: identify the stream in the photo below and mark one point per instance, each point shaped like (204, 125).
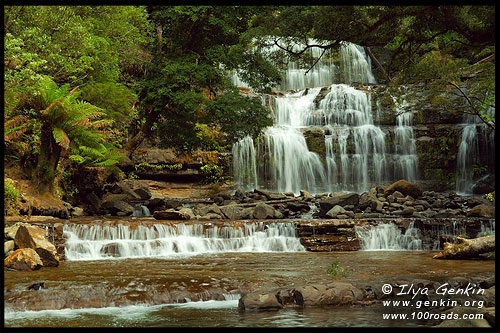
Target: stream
(202, 290)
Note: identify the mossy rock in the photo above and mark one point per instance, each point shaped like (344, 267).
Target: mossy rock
(315, 140)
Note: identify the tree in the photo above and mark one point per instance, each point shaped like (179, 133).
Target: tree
(67, 123)
(196, 47)
(447, 47)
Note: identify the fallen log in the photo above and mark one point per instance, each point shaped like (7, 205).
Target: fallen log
(467, 248)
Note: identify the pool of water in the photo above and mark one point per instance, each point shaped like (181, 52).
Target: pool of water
(203, 290)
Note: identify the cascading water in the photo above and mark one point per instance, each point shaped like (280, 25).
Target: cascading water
(469, 151)
(387, 236)
(95, 242)
(405, 151)
(354, 156)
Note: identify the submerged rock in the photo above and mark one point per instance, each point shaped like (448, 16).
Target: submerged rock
(258, 301)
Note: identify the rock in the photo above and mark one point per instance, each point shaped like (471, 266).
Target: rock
(306, 195)
(170, 214)
(156, 204)
(143, 193)
(335, 211)
(234, 212)
(366, 200)
(117, 207)
(206, 209)
(10, 232)
(111, 250)
(271, 195)
(408, 211)
(36, 239)
(405, 187)
(297, 206)
(188, 212)
(341, 200)
(172, 203)
(337, 293)
(484, 185)
(482, 210)
(264, 211)
(259, 301)
(77, 211)
(25, 259)
(7, 247)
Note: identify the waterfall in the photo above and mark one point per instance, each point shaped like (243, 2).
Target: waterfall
(140, 211)
(387, 236)
(97, 241)
(477, 144)
(356, 65)
(352, 155)
(405, 151)
(467, 153)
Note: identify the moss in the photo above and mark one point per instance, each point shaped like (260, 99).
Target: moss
(315, 141)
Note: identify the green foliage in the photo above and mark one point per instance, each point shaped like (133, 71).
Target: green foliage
(213, 173)
(145, 166)
(10, 198)
(335, 270)
(490, 196)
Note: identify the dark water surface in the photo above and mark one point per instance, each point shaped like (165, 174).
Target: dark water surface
(203, 290)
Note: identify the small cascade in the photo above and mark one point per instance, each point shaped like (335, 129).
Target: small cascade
(95, 242)
(405, 151)
(477, 147)
(356, 66)
(387, 236)
(141, 211)
(467, 152)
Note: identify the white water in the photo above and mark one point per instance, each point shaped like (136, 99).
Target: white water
(354, 156)
(387, 236)
(467, 153)
(405, 151)
(95, 242)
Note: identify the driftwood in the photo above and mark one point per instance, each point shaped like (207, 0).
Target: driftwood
(467, 248)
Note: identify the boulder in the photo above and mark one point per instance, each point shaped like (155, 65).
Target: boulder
(405, 187)
(77, 211)
(8, 246)
(263, 211)
(188, 212)
(460, 311)
(366, 200)
(335, 211)
(482, 210)
(36, 239)
(206, 209)
(234, 212)
(170, 214)
(297, 206)
(271, 195)
(259, 301)
(337, 293)
(25, 259)
(326, 204)
(143, 193)
(156, 204)
(117, 207)
(306, 195)
(10, 232)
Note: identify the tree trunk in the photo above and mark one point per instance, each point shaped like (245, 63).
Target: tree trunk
(467, 248)
(379, 65)
(45, 172)
(144, 132)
